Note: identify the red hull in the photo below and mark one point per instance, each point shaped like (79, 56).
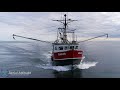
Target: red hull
(71, 54)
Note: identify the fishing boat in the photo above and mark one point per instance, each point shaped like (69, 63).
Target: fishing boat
(64, 51)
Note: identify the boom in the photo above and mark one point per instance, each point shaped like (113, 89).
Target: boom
(29, 38)
(95, 37)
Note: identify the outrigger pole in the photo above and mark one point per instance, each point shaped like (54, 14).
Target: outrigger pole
(51, 42)
(30, 38)
(94, 38)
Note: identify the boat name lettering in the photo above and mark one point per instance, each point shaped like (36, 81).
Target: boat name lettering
(79, 52)
(59, 54)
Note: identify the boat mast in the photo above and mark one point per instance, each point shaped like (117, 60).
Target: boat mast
(64, 33)
(65, 23)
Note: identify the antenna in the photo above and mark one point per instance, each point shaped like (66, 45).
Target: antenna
(76, 38)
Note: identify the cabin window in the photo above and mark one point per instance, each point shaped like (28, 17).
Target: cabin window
(55, 48)
(76, 47)
(61, 48)
(71, 47)
(66, 47)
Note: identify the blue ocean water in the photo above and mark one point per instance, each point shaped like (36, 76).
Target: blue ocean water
(32, 60)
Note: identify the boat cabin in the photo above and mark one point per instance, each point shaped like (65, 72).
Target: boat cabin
(65, 47)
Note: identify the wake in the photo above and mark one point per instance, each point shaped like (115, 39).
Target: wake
(82, 65)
